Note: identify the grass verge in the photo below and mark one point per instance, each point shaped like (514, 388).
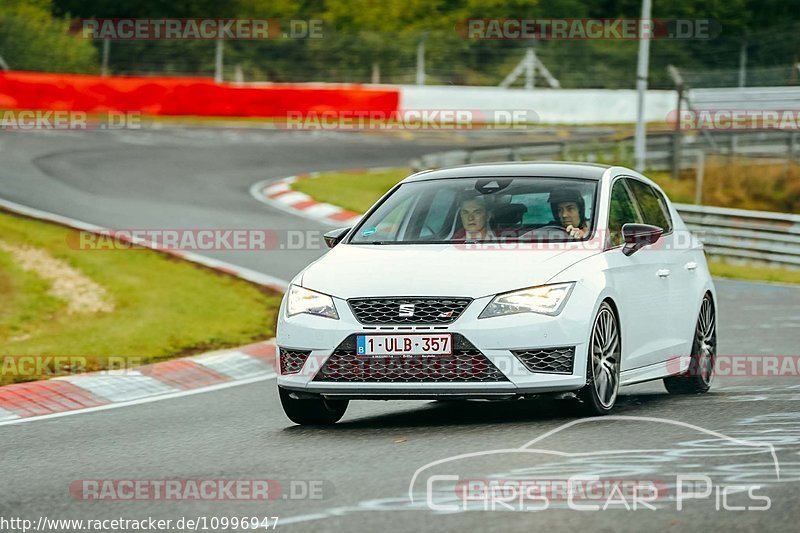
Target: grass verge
(353, 190)
(163, 307)
(722, 269)
(357, 191)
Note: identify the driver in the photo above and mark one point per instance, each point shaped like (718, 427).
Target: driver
(569, 210)
(474, 219)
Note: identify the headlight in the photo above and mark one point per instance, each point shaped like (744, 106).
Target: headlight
(545, 300)
(302, 300)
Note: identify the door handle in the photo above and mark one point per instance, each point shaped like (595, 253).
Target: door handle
(691, 265)
(663, 273)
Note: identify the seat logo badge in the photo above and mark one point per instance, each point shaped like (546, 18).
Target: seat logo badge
(406, 310)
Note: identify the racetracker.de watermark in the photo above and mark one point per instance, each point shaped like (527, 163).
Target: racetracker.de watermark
(27, 367)
(220, 239)
(260, 240)
(32, 119)
(410, 119)
(188, 29)
(586, 29)
(743, 366)
(199, 489)
(736, 119)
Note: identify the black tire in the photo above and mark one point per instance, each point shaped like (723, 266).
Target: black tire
(603, 359)
(698, 377)
(313, 411)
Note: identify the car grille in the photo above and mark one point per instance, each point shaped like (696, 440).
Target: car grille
(548, 360)
(425, 310)
(466, 364)
(292, 361)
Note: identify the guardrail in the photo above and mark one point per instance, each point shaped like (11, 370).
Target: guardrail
(751, 236)
(733, 234)
(660, 149)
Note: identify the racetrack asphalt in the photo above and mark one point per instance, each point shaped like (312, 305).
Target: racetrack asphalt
(199, 178)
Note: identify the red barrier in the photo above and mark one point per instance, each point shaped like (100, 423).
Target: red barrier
(183, 96)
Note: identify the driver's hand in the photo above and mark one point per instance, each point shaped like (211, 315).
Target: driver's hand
(575, 233)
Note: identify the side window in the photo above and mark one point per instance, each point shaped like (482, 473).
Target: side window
(621, 212)
(437, 213)
(652, 204)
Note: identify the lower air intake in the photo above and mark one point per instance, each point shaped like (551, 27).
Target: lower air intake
(547, 360)
(292, 361)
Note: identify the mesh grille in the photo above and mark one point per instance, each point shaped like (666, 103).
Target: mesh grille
(425, 310)
(549, 360)
(467, 364)
(292, 361)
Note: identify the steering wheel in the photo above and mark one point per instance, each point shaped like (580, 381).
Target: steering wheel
(548, 228)
(544, 231)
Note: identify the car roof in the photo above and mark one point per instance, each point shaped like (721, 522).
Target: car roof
(550, 169)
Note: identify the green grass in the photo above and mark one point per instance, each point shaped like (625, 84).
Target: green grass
(358, 191)
(354, 191)
(164, 307)
(722, 269)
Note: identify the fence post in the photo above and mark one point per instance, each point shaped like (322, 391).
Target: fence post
(699, 177)
(106, 52)
(421, 59)
(530, 68)
(218, 61)
(677, 139)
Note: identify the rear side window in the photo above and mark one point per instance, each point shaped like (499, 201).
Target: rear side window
(652, 204)
(537, 209)
(621, 211)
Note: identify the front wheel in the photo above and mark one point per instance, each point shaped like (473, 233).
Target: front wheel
(697, 379)
(317, 411)
(602, 365)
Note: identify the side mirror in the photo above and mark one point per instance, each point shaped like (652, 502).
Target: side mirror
(638, 236)
(333, 237)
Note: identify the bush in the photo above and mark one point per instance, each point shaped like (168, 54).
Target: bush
(31, 39)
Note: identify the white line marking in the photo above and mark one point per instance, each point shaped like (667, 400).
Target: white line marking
(7, 415)
(322, 210)
(277, 188)
(121, 388)
(233, 364)
(291, 198)
(140, 401)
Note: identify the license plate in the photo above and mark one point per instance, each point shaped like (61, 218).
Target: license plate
(383, 345)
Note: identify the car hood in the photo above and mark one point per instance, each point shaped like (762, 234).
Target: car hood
(350, 271)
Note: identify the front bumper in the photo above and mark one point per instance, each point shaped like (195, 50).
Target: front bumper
(494, 337)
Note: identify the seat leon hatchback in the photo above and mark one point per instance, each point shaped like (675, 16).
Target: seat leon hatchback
(501, 281)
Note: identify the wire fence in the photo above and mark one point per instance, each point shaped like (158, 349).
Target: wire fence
(449, 59)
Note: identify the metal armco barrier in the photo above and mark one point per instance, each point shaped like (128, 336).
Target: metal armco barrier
(753, 236)
(735, 234)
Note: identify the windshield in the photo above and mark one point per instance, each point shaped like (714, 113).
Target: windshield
(482, 209)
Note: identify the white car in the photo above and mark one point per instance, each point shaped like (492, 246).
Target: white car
(501, 281)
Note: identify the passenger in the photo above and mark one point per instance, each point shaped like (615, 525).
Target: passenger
(475, 219)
